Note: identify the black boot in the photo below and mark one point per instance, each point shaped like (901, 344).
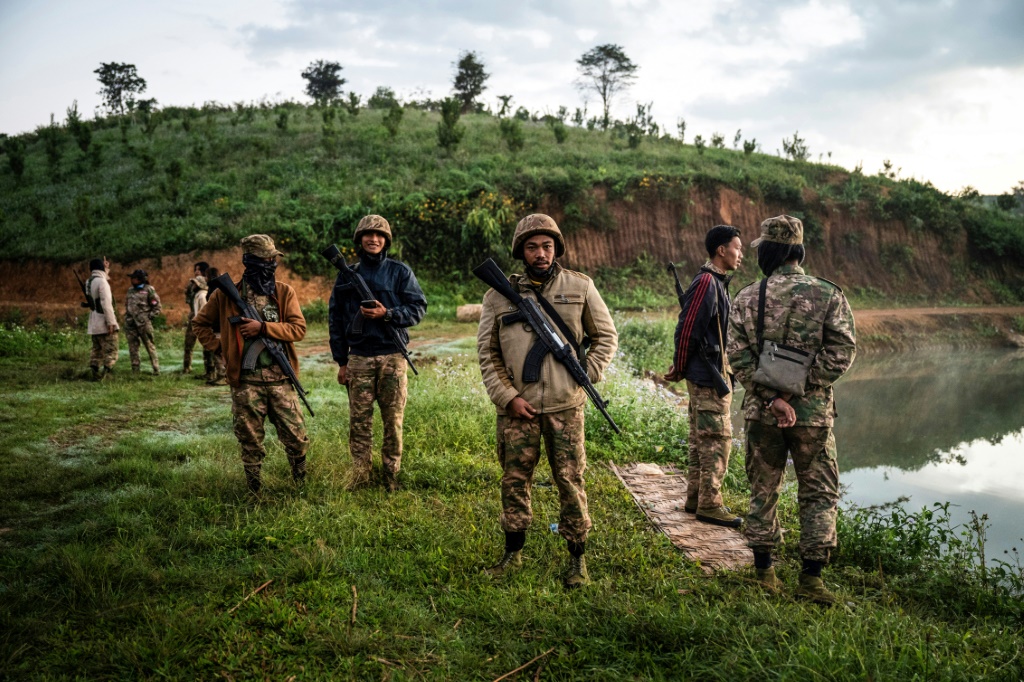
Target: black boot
(299, 470)
(252, 479)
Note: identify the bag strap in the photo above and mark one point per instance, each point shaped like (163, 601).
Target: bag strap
(560, 323)
(760, 314)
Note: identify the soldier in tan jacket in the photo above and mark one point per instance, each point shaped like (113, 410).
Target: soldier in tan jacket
(550, 409)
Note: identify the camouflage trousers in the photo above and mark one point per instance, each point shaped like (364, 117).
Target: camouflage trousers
(710, 445)
(518, 453)
(252, 403)
(141, 332)
(381, 379)
(813, 450)
(104, 350)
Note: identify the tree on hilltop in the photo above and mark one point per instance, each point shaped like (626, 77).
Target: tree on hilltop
(607, 71)
(323, 81)
(121, 82)
(470, 79)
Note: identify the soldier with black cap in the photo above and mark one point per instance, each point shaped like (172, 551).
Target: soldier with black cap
(263, 391)
(551, 409)
(791, 336)
(370, 365)
(141, 305)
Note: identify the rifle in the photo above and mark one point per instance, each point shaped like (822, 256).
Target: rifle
(88, 303)
(548, 340)
(332, 254)
(721, 385)
(262, 343)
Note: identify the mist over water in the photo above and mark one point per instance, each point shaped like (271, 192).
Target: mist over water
(936, 427)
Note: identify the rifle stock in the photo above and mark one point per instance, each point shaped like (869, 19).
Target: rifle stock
(272, 346)
(333, 254)
(548, 340)
(721, 385)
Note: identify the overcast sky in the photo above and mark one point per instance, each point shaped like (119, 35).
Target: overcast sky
(936, 86)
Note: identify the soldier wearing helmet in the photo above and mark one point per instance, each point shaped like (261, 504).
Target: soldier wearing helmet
(550, 409)
(370, 365)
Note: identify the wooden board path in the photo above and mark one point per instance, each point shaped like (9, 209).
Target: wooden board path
(660, 492)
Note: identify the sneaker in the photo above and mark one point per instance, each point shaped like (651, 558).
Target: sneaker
(719, 516)
(813, 589)
(576, 575)
(508, 562)
(768, 580)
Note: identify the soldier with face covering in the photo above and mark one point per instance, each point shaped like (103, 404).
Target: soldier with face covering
(548, 410)
(370, 365)
(263, 391)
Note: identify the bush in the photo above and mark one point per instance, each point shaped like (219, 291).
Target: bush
(511, 131)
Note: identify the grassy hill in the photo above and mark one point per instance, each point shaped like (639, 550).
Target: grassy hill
(187, 178)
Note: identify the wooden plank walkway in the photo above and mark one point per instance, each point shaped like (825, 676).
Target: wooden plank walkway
(660, 492)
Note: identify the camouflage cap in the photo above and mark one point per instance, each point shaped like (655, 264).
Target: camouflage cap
(373, 223)
(536, 223)
(139, 274)
(260, 245)
(782, 229)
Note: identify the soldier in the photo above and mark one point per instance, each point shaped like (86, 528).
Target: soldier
(216, 359)
(141, 305)
(263, 391)
(103, 325)
(699, 356)
(812, 316)
(550, 409)
(370, 365)
(197, 282)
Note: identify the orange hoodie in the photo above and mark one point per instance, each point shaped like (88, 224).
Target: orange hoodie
(218, 309)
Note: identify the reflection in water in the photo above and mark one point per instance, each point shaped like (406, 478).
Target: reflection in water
(936, 427)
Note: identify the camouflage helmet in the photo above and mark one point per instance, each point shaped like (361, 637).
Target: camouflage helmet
(536, 223)
(782, 229)
(373, 223)
(260, 245)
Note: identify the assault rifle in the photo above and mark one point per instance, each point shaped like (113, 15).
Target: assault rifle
(332, 254)
(262, 343)
(721, 385)
(88, 303)
(548, 340)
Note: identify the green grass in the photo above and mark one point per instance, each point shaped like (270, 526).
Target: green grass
(127, 543)
(233, 173)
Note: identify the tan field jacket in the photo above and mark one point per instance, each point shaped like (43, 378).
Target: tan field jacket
(503, 348)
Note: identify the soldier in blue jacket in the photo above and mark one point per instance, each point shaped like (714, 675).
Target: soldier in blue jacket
(370, 365)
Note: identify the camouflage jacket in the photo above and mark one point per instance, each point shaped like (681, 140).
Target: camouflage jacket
(141, 304)
(800, 311)
(502, 348)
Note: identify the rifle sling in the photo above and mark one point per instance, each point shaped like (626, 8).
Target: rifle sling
(760, 314)
(560, 323)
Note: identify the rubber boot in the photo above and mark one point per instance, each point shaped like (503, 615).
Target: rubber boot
(576, 575)
(719, 516)
(509, 561)
(813, 589)
(768, 580)
(252, 480)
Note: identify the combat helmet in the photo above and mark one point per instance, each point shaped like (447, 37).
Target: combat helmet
(536, 223)
(373, 223)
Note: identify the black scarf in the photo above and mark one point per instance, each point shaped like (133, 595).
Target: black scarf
(259, 275)
(536, 275)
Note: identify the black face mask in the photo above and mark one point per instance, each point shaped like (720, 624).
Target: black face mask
(259, 275)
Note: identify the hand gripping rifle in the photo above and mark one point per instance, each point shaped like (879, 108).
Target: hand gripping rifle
(721, 385)
(262, 343)
(548, 340)
(332, 254)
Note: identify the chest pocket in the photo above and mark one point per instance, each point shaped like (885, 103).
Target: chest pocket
(567, 299)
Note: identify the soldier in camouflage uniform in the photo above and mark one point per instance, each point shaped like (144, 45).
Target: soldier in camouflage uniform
(197, 282)
(700, 360)
(551, 409)
(265, 390)
(141, 305)
(810, 314)
(370, 365)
